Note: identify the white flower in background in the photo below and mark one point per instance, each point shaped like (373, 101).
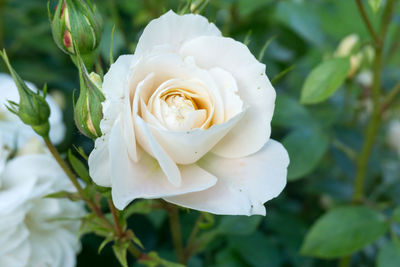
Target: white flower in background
(394, 135)
(36, 231)
(12, 129)
(187, 118)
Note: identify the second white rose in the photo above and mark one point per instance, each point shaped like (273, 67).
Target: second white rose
(187, 119)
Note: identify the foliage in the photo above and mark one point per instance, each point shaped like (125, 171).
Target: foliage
(321, 115)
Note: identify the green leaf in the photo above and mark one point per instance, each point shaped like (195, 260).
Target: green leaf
(389, 255)
(306, 147)
(396, 215)
(79, 168)
(302, 19)
(375, 5)
(247, 7)
(134, 239)
(324, 80)
(256, 249)
(239, 225)
(290, 114)
(107, 240)
(343, 231)
(143, 206)
(153, 260)
(120, 249)
(64, 194)
(93, 224)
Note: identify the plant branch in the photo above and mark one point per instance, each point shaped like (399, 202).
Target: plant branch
(173, 214)
(390, 97)
(114, 213)
(367, 21)
(374, 123)
(191, 239)
(73, 179)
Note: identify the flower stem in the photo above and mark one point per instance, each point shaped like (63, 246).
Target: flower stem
(173, 213)
(367, 22)
(72, 178)
(191, 239)
(374, 123)
(114, 213)
(390, 97)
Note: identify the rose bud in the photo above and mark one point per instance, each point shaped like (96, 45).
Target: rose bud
(88, 108)
(32, 109)
(76, 22)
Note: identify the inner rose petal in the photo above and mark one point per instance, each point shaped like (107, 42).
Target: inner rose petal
(181, 105)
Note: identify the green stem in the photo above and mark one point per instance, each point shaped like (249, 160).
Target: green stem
(367, 22)
(390, 97)
(114, 213)
(72, 178)
(191, 239)
(64, 166)
(173, 213)
(374, 123)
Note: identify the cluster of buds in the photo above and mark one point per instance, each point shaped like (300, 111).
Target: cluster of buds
(32, 108)
(360, 56)
(88, 107)
(76, 25)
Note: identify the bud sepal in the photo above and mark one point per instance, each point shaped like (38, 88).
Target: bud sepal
(32, 108)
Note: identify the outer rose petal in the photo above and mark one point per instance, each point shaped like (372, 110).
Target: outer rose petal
(253, 131)
(243, 186)
(99, 162)
(117, 77)
(145, 179)
(174, 30)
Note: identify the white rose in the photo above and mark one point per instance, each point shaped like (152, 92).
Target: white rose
(187, 119)
(37, 231)
(12, 129)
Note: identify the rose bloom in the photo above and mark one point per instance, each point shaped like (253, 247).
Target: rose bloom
(187, 119)
(13, 130)
(36, 231)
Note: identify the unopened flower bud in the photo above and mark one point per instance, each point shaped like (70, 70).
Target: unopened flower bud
(88, 108)
(76, 23)
(346, 49)
(32, 108)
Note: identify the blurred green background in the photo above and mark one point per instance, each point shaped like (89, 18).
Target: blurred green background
(320, 138)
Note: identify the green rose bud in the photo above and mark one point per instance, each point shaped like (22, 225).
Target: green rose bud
(32, 108)
(76, 23)
(88, 109)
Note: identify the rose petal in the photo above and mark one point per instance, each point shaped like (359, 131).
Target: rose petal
(189, 146)
(99, 166)
(146, 179)
(174, 30)
(255, 90)
(244, 185)
(116, 79)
